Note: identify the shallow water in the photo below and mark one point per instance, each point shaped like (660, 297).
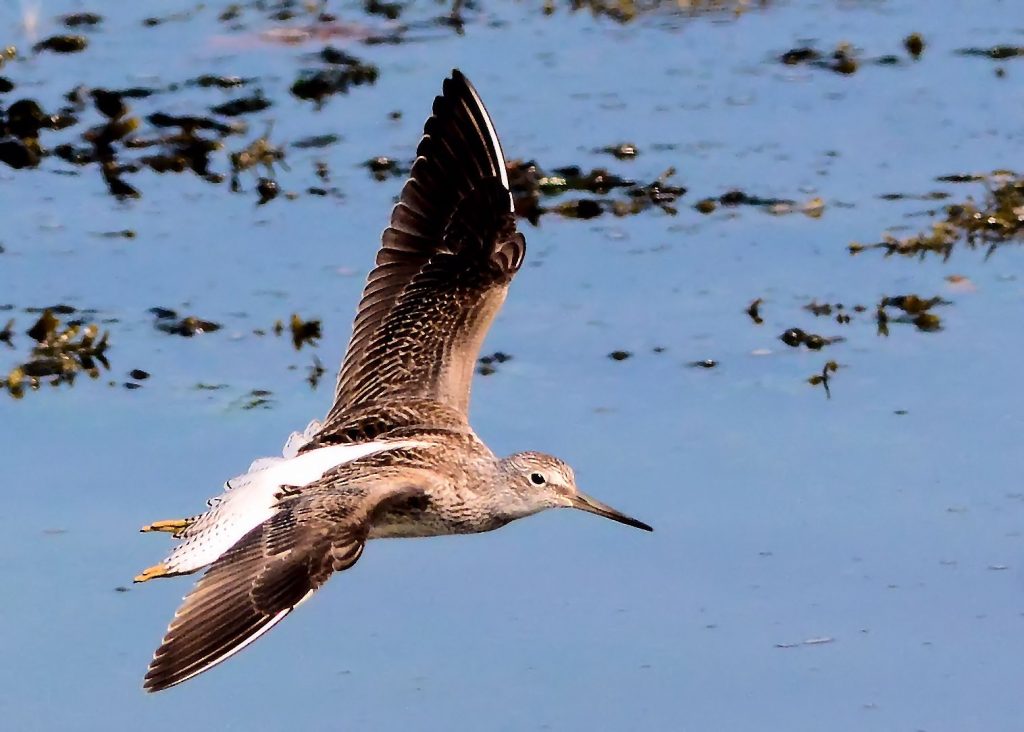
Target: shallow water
(883, 522)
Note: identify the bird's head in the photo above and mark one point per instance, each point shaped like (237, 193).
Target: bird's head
(542, 481)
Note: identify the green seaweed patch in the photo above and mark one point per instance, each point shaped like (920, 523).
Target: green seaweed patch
(997, 219)
(58, 354)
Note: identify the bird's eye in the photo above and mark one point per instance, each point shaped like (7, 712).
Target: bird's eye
(537, 479)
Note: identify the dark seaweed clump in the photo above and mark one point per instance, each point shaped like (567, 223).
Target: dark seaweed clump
(530, 183)
(20, 128)
(82, 20)
(841, 312)
(915, 310)
(258, 153)
(487, 365)
(62, 44)
(813, 208)
(622, 151)
(825, 377)
(255, 399)
(124, 143)
(255, 102)
(996, 53)
(624, 11)
(382, 168)
(303, 332)
(177, 144)
(340, 72)
(994, 221)
(795, 337)
(167, 321)
(754, 311)
(58, 354)
(845, 59)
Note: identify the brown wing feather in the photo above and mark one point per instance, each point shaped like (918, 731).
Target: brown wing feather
(443, 268)
(260, 580)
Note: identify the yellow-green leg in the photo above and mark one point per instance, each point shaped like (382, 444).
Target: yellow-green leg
(157, 570)
(169, 526)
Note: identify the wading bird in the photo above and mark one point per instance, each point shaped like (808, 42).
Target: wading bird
(395, 456)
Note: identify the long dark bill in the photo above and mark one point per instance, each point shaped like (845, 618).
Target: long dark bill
(591, 505)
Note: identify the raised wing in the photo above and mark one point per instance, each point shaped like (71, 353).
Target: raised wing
(443, 268)
(260, 580)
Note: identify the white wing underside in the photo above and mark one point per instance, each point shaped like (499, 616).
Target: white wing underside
(250, 499)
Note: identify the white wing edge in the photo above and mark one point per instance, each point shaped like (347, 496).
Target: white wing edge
(253, 497)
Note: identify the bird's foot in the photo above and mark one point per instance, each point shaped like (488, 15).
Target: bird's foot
(170, 526)
(157, 570)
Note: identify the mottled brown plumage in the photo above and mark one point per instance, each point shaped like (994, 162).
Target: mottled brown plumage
(396, 456)
(443, 268)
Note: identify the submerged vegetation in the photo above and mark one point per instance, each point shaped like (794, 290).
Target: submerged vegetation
(995, 220)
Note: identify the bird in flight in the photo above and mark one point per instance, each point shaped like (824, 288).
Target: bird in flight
(395, 456)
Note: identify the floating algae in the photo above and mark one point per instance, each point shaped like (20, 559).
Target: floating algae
(996, 220)
(58, 354)
(167, 321)
(303, 332)
(825, 377)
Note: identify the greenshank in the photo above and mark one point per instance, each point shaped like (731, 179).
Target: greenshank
(395, 456)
